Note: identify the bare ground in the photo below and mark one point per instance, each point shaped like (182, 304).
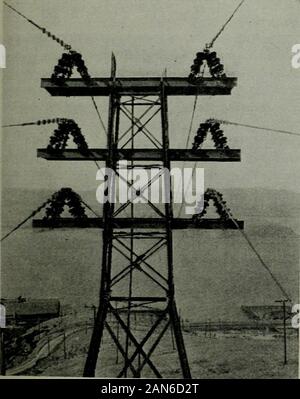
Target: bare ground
(226, 356)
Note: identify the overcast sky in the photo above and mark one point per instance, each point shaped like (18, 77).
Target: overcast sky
(148, 36)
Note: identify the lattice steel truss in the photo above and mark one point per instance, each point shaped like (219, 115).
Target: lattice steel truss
(154, 234)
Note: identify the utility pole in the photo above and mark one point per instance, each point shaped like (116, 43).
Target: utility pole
(283, 302)
(64, 344)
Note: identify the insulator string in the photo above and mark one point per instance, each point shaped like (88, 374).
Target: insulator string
(36, 123)
(256, 127)
(43, 30)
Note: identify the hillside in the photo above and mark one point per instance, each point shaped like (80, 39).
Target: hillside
(215, 271)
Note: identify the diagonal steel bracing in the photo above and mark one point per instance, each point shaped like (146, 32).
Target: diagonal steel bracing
(123, 234)
(136, 261)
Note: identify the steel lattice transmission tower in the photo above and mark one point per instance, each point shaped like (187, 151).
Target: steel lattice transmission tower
(127, 96)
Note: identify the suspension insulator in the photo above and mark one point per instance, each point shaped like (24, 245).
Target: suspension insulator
(63, 70)
(195, 69)
(217, 68)
(211, 56)
(214, 62)
(201, 131)
(201, 56)
(198, 62)
(218, 133)
(204, 126)
(215, 127)
(198, 139)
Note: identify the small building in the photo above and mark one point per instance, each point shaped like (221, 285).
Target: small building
(19, 310)
(265, 312)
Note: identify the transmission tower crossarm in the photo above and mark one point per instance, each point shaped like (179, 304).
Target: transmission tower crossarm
(175, 86)
(143, 223)
(116, 306)
(145, 154)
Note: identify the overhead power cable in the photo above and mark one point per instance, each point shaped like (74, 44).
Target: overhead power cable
(36, 123)
(49, 121)
(210, 45)
(90, 208)
(25, 220)
(256, 127)
(99, 115)
(192, 120)
(37, 210)
(60, 42)
(263, 263)
(224, 122)
(43, 30)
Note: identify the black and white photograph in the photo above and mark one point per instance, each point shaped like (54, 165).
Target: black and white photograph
(150, 196)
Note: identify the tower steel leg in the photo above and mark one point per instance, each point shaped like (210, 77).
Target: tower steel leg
(169, 216)
(170, 318)
(107, 235)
